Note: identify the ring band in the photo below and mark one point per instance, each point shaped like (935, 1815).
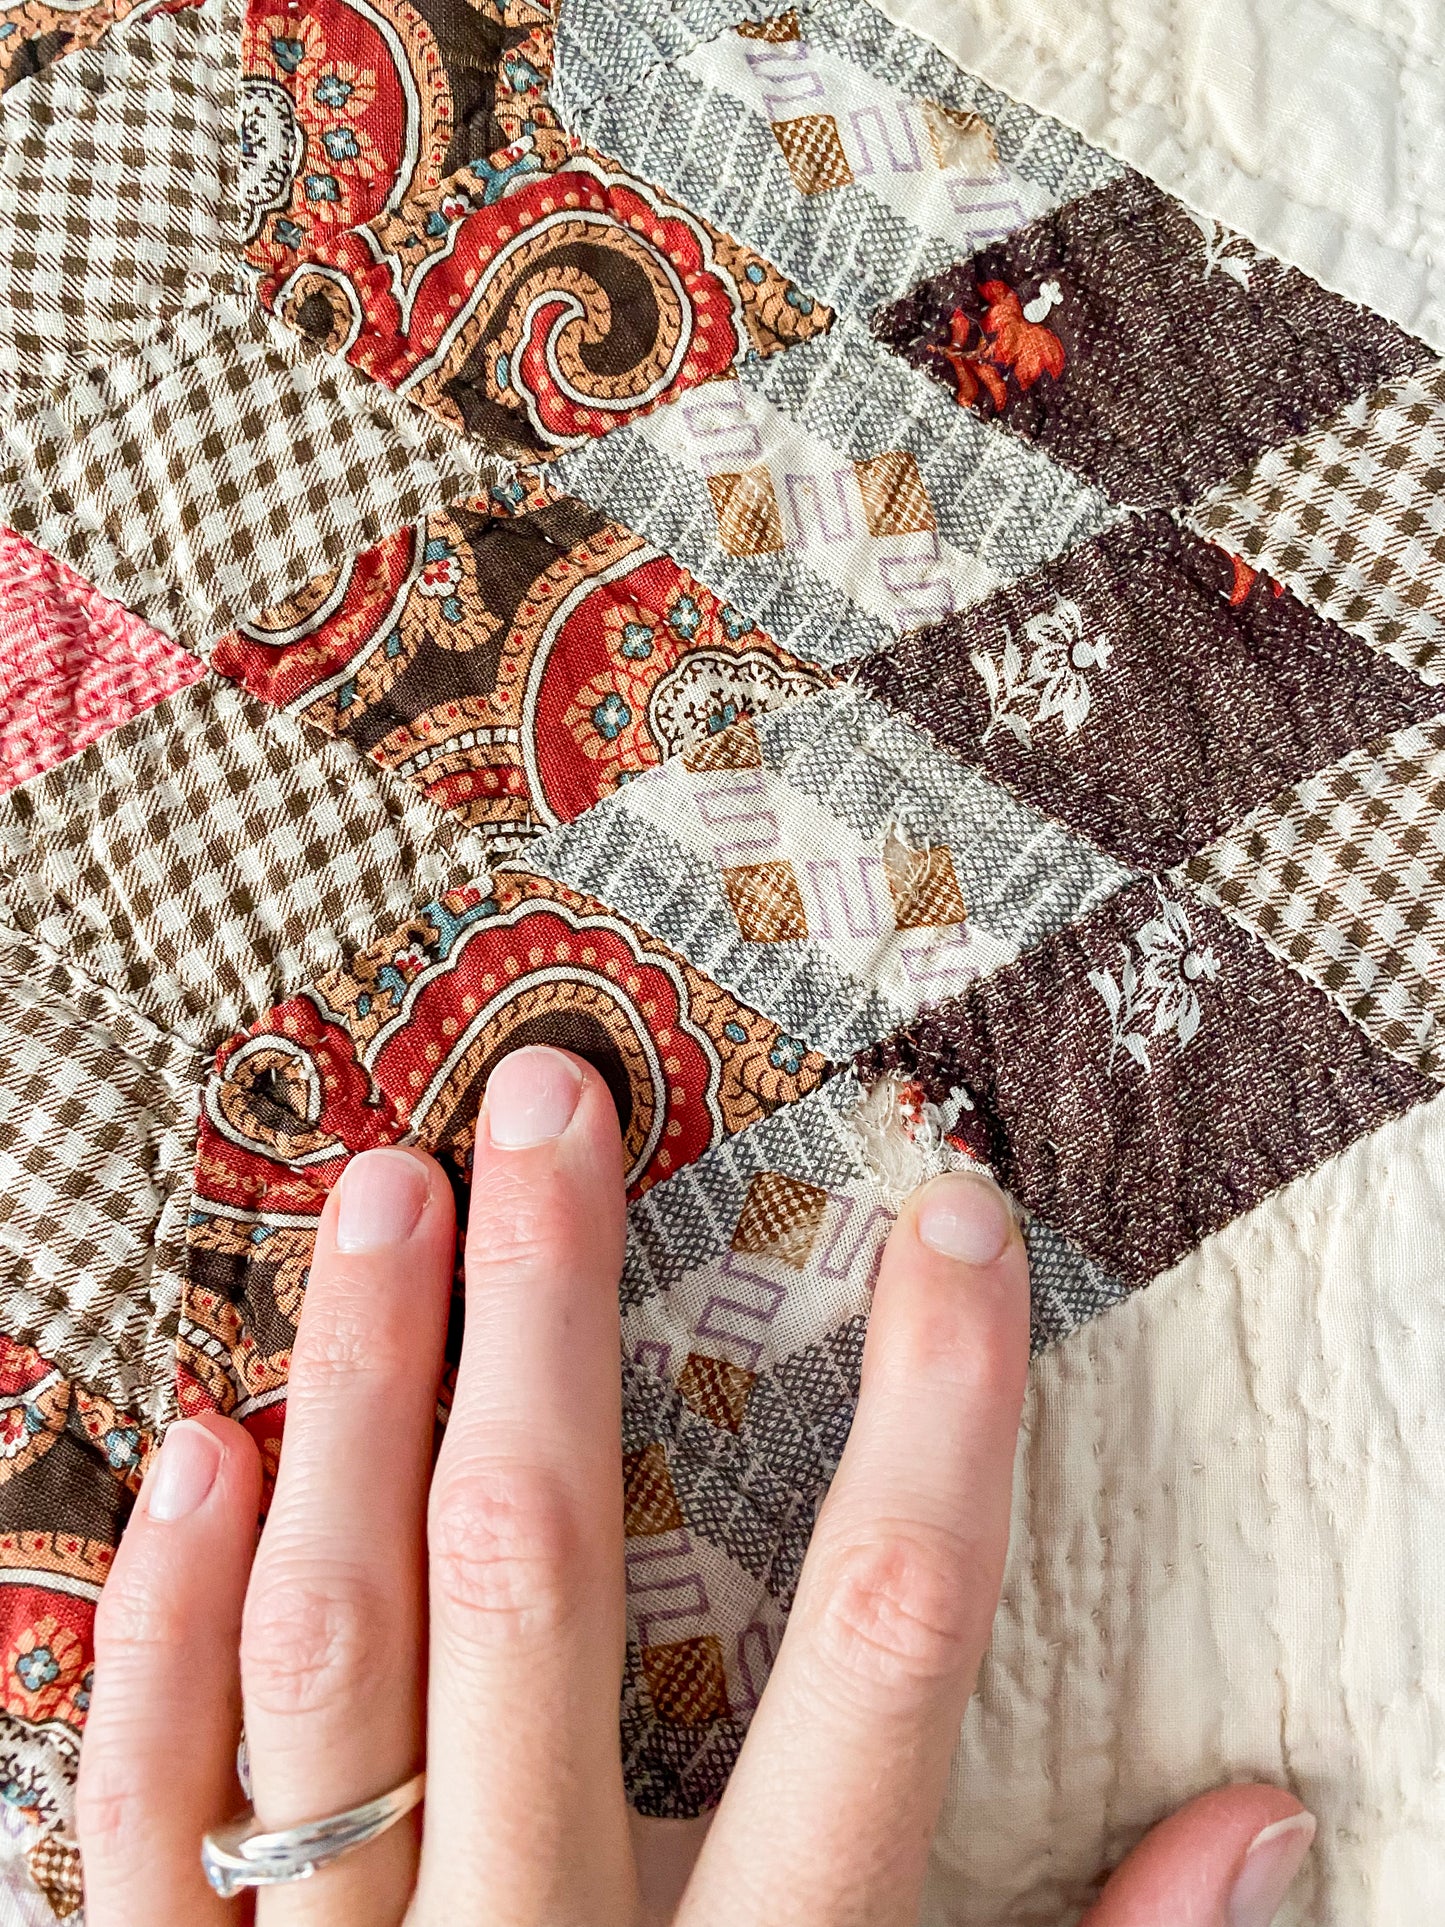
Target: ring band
(241, 1854)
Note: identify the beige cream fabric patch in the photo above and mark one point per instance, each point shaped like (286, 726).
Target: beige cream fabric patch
(1227, 1563)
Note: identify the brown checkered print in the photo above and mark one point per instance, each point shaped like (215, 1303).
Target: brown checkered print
(716, 1390)
(749, 521)
(214, 474)
(55, 1868)
(924, 887)
(781, 1217)
(766, 901)
(117, 190)
(813, 149)
(1352, 518)
(96, 1145)
(686, 1681)
(649, 1503)
(895, 501)
(1344, 876)
(210, 856)
(780, 29)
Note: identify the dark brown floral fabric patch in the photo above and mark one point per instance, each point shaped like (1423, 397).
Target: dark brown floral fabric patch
(1146, 689)
(1142, 344)
(1144, 1076)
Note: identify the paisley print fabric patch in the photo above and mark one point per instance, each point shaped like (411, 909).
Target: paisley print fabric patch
(350, 109)
(709, 536)
(70, 1466)
(516, 667)
(354, 1062)
(534, 312)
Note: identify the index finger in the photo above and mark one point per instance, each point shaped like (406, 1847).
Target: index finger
(833, 1801)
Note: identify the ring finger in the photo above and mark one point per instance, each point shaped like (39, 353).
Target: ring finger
(333, 1640)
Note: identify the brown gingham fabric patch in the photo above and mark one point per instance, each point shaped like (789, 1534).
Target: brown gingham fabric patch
(198, 487)
(96, 1146)
(1352, 517)
(1344, 877)
(117, 190)
(211, 855)
(55, 1868)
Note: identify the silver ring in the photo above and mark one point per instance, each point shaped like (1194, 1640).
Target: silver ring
(241, 1854)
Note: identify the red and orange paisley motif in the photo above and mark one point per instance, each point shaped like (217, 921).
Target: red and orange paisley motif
(70, 1464)
(541, 311)
(516, 668)
(399, 1046)
(353, 108)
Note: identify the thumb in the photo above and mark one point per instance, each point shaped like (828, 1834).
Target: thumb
(1224, 1860)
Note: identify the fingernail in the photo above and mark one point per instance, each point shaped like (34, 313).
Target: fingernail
(383, 1194)
(184, 1472)
(965, 1217)
(531, 1096)
(1273, 1860)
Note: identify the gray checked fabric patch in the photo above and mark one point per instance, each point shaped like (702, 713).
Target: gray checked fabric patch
(117, 190)
(1352, 518)
(1344, 877)
(689, 1223)
(1059, 162)
(831, 867)
(836, 495)
(745, 1298)
(845, 247)
(602, 48)
(209, 857)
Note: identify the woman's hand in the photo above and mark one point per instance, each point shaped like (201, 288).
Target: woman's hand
(471, 1617)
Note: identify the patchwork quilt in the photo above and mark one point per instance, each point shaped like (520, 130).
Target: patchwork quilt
(878, 570)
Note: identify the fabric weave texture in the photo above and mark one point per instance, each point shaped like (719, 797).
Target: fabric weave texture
(711, 536)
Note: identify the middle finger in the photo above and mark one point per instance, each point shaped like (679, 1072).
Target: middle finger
(334, 1629)
(526, 1822)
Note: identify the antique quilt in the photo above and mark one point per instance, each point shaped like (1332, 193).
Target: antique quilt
(878, 570)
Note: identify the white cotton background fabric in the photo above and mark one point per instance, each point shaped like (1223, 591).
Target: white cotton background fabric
(1314, 127)
(1228, 1562)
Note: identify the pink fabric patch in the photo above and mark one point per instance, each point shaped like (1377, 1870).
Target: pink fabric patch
(72, 663)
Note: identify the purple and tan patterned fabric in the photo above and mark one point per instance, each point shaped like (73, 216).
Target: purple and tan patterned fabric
(898, 614)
